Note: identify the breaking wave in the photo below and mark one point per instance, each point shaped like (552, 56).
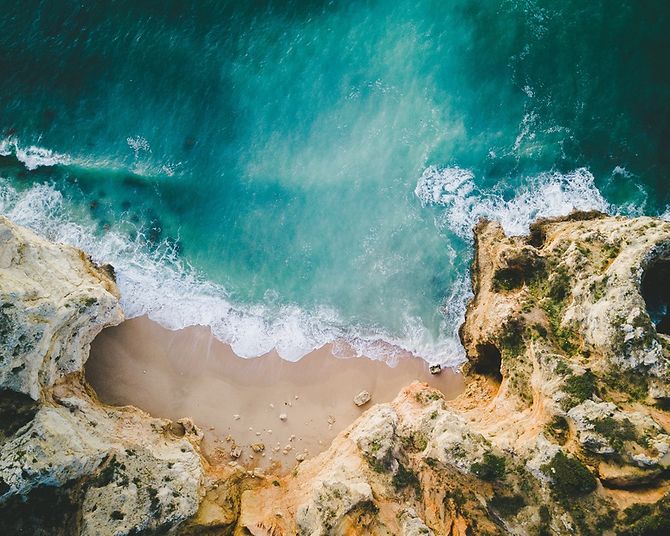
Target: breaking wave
(157, 283)
(546, 195)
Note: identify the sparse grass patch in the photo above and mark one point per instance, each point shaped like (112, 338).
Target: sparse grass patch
(562, 368)
(507, 505)
(457, 497)
(520, 384)
(616, 432)
(406, 478)
(579, 389)
(611, 251)
(415, 442)
(507, 279)
(558, 429)
(647, 519)
(425, 397)
(559, 285)
(511, 340)
(522, 268)
(538, 331)
(598, 288)
(633, 383)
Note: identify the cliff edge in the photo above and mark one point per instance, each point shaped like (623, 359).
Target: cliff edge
(68, 464)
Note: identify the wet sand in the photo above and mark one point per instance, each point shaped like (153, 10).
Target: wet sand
(189, 373)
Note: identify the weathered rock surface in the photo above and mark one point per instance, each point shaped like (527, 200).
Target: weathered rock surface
(562, 429)
(362, 398)
(69, 465)
(53, 302)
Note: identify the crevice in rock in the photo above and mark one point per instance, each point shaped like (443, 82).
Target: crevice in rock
(16, 410)
(488, 361)
(45, 511)
(656, 293)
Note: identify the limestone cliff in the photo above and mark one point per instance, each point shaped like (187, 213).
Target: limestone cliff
(563, 427)
(69, 465)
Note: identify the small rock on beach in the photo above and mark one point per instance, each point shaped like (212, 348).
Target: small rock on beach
(362, 398)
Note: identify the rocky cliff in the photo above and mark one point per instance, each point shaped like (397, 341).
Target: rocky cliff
(69, 465)
(563, 427)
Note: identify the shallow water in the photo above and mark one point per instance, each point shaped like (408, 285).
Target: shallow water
(293, 173)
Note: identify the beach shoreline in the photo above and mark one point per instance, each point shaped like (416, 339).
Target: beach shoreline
(263, 412)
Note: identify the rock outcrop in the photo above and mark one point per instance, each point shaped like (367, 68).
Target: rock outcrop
(563, 427)
(68, 464)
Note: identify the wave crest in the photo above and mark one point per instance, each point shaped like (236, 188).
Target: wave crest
(33, 156)
(157, 283)
(546, 195)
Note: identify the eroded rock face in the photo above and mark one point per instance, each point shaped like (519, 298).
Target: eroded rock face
(68, 464)
(53, 302)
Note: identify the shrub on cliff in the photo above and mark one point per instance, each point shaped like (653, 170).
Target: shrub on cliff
(579, 389)
(491, 467)
(647, 519)
(569, 476)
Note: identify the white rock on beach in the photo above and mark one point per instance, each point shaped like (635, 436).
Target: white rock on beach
(362, 398)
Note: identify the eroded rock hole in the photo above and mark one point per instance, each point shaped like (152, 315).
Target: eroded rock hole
(488, 362)
(656, 294)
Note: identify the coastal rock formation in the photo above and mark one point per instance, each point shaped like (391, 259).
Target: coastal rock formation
(68, 464)
(362, 398)
(53, 302)
(563, 427)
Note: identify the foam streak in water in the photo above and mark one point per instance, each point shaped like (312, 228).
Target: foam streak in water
(33, 157)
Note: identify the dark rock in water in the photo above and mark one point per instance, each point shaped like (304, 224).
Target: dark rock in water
(435, 369)
(49, 115)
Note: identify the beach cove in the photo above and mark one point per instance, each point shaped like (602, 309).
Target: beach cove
(237, 402)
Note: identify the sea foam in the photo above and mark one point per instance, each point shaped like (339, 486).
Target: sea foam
(545, 195)
(157, 283)
(32, 156)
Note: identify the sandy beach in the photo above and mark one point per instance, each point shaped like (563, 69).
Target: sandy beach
(290, 408)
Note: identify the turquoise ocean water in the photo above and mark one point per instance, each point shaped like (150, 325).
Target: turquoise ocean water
(294, 173)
